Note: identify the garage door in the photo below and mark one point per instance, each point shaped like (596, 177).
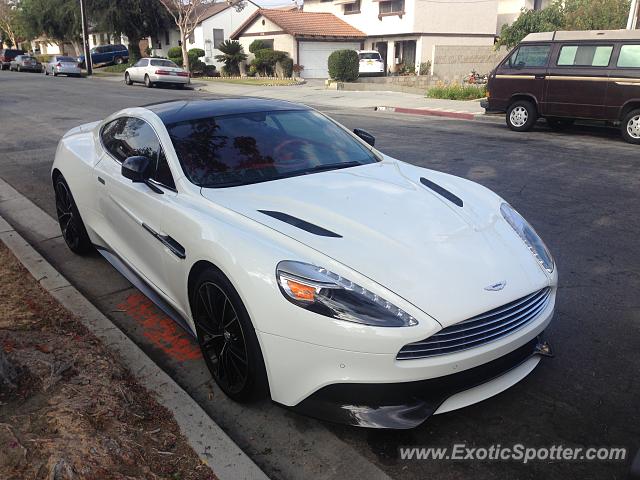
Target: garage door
(314, 56)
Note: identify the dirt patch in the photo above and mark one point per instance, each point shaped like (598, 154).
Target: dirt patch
(71, 410)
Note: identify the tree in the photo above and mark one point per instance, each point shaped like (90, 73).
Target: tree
(567, 15)
(59, 20)
(10, 22)
(136, 19)
(531, 21)
(232, 55)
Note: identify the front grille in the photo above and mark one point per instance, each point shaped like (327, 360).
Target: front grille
(480, 329)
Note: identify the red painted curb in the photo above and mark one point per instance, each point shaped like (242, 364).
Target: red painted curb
(435, 113)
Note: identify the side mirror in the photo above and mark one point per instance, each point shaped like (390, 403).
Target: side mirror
(136, 169)
(366, 136)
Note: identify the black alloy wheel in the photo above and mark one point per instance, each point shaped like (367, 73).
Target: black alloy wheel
(73, 230)
(227, 338)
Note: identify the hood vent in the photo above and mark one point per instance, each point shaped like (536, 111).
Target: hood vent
(442, 191)
(301, 224)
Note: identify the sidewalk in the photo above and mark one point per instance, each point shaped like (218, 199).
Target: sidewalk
(314, 93)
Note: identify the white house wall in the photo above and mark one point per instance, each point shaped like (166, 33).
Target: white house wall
(259, 31)
(509, 10)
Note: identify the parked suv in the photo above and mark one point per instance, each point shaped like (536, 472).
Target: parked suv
(8, 54)
(563, 76)
(370, 63)
(107, 54)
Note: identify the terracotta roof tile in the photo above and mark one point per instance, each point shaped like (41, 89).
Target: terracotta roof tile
(305, 24)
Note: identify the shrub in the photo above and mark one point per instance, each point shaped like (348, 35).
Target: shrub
(196, 65)
(258, 45)
(455, 91)
(232, 55)
(425, 67)
(343, 65)
(287, 67)
(196, 52)
(175, 52)
(252, 71)
(265, 60)
(210, 71)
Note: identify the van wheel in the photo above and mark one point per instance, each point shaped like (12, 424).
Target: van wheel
(521, 116)
(630, 127)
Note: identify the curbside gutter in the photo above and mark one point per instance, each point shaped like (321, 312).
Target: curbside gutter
(435, 112)
(210, 442)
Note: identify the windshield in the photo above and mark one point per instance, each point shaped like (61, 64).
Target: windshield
(66, 59)
(163, 63)
(257, 147)
(369, 56)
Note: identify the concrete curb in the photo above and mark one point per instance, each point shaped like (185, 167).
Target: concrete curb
(210, 442)
(435, 112)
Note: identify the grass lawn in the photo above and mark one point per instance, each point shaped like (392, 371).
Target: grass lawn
(259, 82)
(456, 91)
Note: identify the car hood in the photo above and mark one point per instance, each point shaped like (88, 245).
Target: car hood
(401, 234)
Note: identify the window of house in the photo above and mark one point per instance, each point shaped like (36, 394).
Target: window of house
(390, 7)
(94, 39)
(218, 37)
(352, 7)
(629, 56)
(166, 38)
(268, 43)
(530, 56)
(585, 55)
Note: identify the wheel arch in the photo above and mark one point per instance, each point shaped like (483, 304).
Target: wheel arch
(524, 96)
(628, 107)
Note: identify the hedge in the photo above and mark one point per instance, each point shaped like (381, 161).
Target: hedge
(344, 65)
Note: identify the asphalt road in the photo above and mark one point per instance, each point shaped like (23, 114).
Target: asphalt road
(580, 189)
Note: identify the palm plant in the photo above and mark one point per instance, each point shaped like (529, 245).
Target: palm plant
(232, 55)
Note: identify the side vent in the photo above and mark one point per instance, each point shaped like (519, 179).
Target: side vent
(442, 191)
(301, 224)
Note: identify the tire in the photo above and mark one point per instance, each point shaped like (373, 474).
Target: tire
(147, 82)
(559, 123)
(118, 60)
(127, 79)
(46, 72)
(630, 127)
(227, 338)
(19, 68)
(521, 116)
(71, 224)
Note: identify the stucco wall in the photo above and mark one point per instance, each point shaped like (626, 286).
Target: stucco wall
(367, 20)
(453, 62)
(258, 31)
(456, 16)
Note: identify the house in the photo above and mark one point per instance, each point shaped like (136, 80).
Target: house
(308, 37)
(405, 31)
(509, 10)
(216, 25)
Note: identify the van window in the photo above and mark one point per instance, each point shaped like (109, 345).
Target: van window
(585, 55)
(629, 56)
(528, 56)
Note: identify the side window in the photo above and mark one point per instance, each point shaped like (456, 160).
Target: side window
(585, 55)
(629, 56)
(529, 56)
(141, 63)
(163, 173)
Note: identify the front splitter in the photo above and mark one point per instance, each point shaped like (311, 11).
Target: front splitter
(408, 404)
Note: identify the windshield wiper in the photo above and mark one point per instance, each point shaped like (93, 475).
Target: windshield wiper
(330, 166)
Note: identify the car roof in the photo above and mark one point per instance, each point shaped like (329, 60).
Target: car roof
(562, 35)
(183, 110)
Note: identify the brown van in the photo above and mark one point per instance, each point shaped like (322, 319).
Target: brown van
(563, 76)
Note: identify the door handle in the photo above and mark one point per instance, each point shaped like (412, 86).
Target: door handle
(101, 180)
(540, 76)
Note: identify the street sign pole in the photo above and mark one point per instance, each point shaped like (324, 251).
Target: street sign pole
(85, 38)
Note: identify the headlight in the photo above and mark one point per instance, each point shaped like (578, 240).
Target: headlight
(528, 236)
(327, 293)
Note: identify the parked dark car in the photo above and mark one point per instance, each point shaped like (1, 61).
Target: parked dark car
(23, 63)
(563, 76)
(105, 54)
(8, 54)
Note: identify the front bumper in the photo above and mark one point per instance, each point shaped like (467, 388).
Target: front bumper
(408, 404)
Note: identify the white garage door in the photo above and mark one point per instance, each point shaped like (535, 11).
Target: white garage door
(314, 56)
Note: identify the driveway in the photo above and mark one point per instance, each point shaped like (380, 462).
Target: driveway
(580, 189)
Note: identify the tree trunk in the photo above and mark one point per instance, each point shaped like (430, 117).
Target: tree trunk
(185, 55)
(134, 49)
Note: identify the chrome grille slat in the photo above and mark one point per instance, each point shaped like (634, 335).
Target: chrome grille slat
(481, 329)
(514, 326)
(491, 325)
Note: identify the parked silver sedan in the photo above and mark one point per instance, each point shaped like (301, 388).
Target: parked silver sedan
(62, 65)
(152, 71)
(25, 63)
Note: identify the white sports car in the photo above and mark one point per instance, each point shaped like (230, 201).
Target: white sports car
(311, 267)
